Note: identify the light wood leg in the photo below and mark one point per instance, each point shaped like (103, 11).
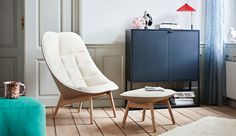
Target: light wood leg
(80, 106)
(144, 113)
(170, 111)
(125, 115)
(153, 117)
(112, 103)
(59, 103)
(91, 110)
(55, 112)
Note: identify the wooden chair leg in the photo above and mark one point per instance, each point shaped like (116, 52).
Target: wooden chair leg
(112, 103)
(80, 106)
(144, 113)
(125, 115)
(57, 107)
(153, 117)
(55, 112)
(170, 111)
(91, 110)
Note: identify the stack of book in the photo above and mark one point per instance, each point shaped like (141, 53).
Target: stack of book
(150, 88)
(183, 98)
(168, 26)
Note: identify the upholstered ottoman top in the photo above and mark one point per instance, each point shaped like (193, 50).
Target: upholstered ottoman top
(24, 116)
(22, 102)
(143, 96)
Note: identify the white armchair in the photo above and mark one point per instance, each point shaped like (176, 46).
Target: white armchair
(75, 74)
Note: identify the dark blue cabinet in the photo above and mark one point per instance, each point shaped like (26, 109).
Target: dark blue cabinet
(184, 55)
(150, 44)
(162, 55)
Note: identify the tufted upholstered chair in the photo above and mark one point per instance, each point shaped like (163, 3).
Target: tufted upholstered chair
(74, 72)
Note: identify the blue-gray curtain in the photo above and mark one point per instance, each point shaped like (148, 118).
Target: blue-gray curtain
(215, 61)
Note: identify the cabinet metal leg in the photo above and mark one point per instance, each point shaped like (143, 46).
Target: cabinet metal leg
(131, 85)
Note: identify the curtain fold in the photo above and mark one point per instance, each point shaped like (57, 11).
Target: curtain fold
(215, 60)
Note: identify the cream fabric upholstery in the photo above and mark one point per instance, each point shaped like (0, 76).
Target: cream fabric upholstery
(142, 93)
(143, 96)
(70, 63)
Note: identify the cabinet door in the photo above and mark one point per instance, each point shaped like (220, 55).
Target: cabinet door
(184, 55)
(150, 55)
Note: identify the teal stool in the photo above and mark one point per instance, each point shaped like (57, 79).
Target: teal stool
(24, 116)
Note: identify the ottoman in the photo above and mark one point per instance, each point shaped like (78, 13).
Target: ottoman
(24, 116)
(141, 98)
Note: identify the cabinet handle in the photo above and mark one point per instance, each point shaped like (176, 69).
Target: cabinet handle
(170, 31)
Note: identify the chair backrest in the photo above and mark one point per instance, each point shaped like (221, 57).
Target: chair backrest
(69, 61)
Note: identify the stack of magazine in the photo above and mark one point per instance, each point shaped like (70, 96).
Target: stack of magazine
(150, 88)
(183, 98)
(168, 26)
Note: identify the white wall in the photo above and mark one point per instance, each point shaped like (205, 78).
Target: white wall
(105, 21)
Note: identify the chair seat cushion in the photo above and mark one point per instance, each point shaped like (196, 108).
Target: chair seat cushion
(24, 116)
(99, 88)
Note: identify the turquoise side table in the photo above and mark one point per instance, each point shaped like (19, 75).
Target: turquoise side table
(24, 116)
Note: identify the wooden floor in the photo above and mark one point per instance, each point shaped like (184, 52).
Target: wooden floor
(71, 123)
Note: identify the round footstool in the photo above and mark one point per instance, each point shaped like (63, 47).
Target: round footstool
(24, 116)
(141, 98)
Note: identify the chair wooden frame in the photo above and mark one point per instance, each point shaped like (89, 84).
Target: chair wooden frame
(62, 101)
(69, 96)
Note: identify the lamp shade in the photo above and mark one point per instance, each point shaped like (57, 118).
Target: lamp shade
(186, 7)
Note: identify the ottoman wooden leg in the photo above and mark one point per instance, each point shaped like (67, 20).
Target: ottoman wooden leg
(153, 117)
(80, 106)
(126, 114)
(144, 112)
(170, 111)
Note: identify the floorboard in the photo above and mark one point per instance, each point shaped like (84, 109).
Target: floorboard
(162, 120)
(50, 123)
(131, 128)
(189, 113)
(65, 125)
(105, 124)
(82, 121)
(71, 123)
(136, 116)
(223, 111)
(204, 112)
(180, 119)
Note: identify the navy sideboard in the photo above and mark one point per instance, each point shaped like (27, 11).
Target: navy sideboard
(162, 56)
